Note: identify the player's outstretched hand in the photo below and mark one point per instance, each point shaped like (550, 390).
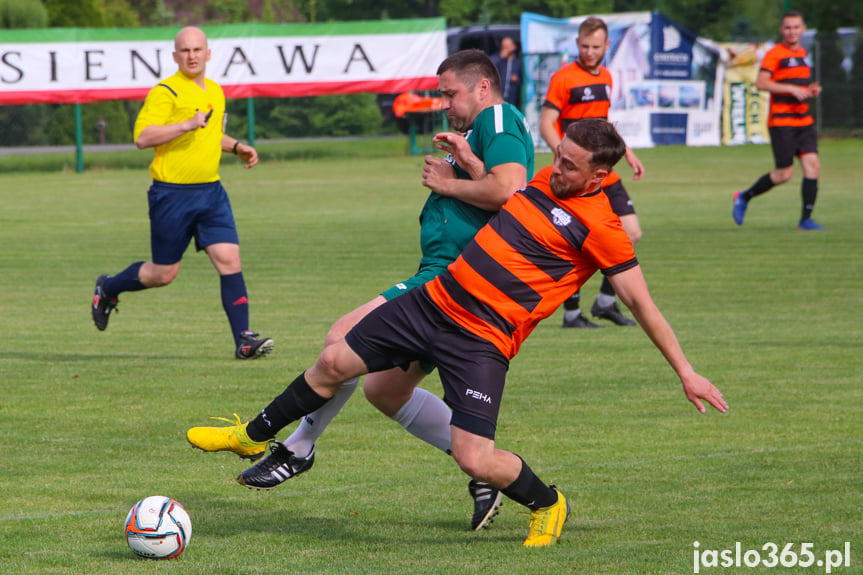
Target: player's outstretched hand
(698, 389)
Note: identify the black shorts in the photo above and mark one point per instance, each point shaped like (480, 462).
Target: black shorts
(411, 327)
(790, 141)
(619, 199)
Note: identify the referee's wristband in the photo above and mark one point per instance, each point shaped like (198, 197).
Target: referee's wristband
(234, 149)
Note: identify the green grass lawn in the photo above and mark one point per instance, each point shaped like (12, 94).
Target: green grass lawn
(91, 422)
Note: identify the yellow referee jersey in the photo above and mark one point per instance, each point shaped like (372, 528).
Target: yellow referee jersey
(194, 157)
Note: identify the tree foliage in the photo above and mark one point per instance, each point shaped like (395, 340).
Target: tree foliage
(22, 14)
(337, 10)
(118, 14)
(74, 14)
(466, 12)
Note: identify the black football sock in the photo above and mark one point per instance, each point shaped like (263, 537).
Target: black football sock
(297, 400)
(529, 490)
(809, 191)
(606, 287)
(126, 280)
(572, 303)
(761, 185)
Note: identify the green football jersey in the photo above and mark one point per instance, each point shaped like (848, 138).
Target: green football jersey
(499, 135)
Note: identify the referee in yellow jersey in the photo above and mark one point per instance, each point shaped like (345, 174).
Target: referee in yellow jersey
(184, 120)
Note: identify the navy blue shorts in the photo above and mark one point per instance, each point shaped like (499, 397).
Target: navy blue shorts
(180, 212)
(790, 141)
(411, 327)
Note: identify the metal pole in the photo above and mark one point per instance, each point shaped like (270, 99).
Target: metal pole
(79, 140)
(250, 119)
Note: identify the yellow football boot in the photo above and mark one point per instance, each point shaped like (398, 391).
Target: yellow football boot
(232, 438)
(547, 522)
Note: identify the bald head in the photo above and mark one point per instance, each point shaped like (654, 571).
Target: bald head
(189, 34)
(191, 52)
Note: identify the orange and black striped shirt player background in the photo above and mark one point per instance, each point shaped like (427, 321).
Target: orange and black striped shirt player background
(788, 66)
(786, 75)
(578, 93)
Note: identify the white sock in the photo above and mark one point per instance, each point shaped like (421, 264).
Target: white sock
(571, 314)
(312, 426)
(427, 417)
(604, 300)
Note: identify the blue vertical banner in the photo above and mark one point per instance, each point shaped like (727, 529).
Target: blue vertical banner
(670, 49)
(668, 129)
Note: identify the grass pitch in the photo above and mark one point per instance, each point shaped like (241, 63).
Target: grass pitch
(92, 422)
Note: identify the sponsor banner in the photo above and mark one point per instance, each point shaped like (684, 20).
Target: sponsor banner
(670, 49)
(702, 128)
(645, 128)
(633, 126)
(77, 65)
(668, 129)
(744, 107)
(657, 68)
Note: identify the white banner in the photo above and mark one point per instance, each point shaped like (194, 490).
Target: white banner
(345, 61)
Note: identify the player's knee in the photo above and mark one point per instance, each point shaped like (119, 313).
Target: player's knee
(474, 468)
(384, 399)
(472, 462)
(782, 175)
(163, 276)
(811, 166)
(374, 392)
(631, 227)
(329, 366)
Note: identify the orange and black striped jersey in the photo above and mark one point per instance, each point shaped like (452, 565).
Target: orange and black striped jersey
(787, 67)
(578, 94)
(535, 253)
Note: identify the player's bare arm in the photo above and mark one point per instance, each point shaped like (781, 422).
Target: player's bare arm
(764, 83)
(244, 151)
(156, 135)
(635, 164)
(632, 291)
(547, 130)
(489, 192)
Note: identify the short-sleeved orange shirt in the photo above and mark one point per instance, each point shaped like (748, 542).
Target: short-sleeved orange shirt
(787, 67)
(530, 257)
(578, 94)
